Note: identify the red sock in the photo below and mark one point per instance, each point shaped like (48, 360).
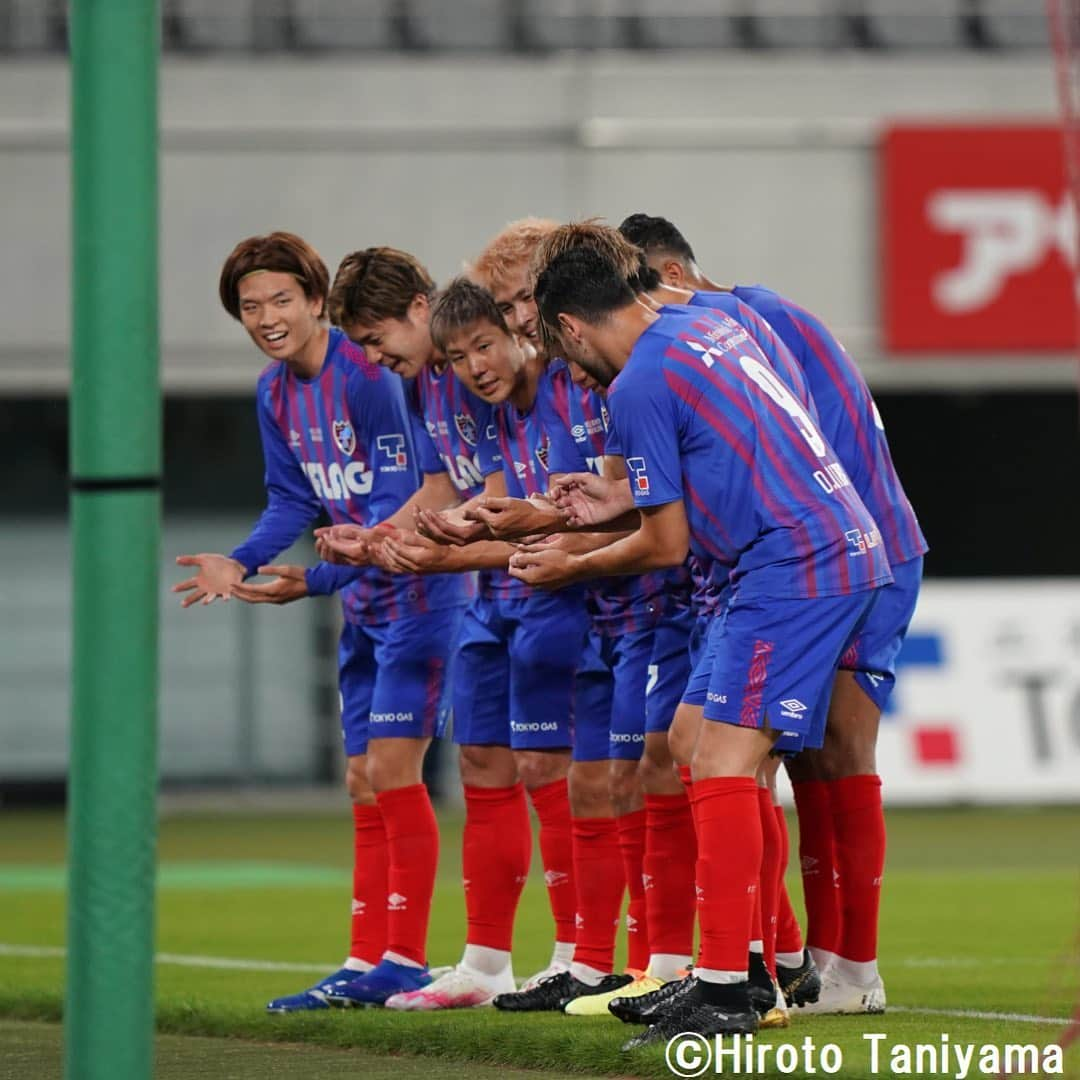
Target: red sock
(788, 935)
(495, 854)
(859, 827)
(817, 858)
(632, 849)
(728, 866)
(670, 855)
(552, 805)
(598, 875)
(370, 863)
(770, 876)
(412, 836)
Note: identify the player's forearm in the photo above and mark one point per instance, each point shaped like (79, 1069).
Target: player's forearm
(623, 524)
(637, 553)
(581, 543)
(431, 495)
(481, 555)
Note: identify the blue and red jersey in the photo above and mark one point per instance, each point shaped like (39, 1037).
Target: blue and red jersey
(450, 425)
(765, 337)
(340, 443)
(701, 416)
(577, 424)
(453, 421)
(516, 442)
(849, 419)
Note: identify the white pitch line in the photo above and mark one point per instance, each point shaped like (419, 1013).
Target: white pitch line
(222, 963)
(225, 963)
(974, 1014)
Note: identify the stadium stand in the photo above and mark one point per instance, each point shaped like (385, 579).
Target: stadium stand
(492, 26)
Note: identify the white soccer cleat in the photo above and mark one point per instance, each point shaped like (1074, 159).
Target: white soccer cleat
(459, 988)
(838, 995)
(554, 968)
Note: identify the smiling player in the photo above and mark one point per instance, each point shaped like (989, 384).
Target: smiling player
(336, 439)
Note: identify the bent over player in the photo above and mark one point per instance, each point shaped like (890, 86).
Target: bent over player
(723, 457)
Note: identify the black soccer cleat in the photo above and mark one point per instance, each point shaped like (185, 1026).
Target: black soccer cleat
(691, 1015)
(761, 988)
(552, 994)
(648, 1008)
(802, 985)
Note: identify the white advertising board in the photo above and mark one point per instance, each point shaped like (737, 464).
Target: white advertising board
(986, 706)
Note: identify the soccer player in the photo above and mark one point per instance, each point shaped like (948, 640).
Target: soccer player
(510, 688)
(837, 790)
(336, 439)
(629, 260)
(721, 455)
(470, 328)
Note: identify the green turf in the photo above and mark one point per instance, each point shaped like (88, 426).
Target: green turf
(35, 1050)
(980, 913)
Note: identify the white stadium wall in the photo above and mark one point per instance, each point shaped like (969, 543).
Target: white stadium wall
(769, 164)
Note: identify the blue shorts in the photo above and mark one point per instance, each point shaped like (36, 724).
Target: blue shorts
(609, 706)
(514, 673)
(772, 663)
(669, 669)
(872, 655)
(697, 685)
(392, 677)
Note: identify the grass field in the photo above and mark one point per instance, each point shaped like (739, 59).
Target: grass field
(979, 941)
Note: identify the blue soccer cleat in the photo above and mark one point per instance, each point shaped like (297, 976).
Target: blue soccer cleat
(314, 997)
(383, 981)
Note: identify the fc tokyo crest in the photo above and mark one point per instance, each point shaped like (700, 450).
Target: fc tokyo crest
(542, 454)
(466, 427)
(344, 436)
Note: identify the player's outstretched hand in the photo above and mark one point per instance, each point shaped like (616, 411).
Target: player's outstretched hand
(546, 565)
(511, 519)
(411, 553)
(289, 584)
(450, 527)
(214, 578)
(587, 499)
(344, 545)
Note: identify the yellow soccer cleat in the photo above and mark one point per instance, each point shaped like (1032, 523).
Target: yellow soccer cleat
(777, 1016)
(597, 1004)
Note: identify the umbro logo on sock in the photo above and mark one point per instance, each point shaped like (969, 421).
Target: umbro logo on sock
(396, 902)
(555, 877)
(631, 924)
(646, 881)
(579, 922)
(358, 907)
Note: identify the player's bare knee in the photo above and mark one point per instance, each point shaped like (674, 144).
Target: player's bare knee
(487, 766)
(589, 792)
(356, 781)
(537, 768)
(624, 787)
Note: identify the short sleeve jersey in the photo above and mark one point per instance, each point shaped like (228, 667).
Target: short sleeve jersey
(451, 422)
(702, 417)
(346, 436)
(577, 422)
(849, 417)
(516, 442)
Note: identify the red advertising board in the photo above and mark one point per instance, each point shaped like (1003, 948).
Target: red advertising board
(977, 240)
